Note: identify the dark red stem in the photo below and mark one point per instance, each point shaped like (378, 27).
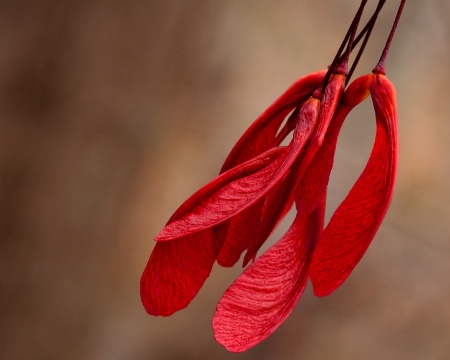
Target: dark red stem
(370, 24)
(344, 61)
(339, 61)
(366, 33)
(381, 66)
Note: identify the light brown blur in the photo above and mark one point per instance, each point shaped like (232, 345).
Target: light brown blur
(113, 112)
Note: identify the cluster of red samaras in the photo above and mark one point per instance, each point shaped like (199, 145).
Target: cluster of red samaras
(259, 182)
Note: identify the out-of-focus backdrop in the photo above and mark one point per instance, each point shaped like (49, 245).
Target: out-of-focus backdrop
(113, 112)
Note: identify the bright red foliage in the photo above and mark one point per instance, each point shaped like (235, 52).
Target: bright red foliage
(258, 184)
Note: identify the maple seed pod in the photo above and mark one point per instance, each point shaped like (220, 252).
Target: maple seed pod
(259, 182)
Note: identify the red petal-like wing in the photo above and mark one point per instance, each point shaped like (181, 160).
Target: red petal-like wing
(268, 290)
(355, 222)
(176, 271)
(243, 185)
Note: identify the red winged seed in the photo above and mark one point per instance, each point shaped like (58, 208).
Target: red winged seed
(257, 185)
(355, 222)
(227, 195)
(260, 167)
(267, 291)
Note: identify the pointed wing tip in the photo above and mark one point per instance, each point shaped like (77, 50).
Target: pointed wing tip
(227, 263)
(232, 347)
(153, 311)
(157, 306)
(168, 233)
(228, 332)
(154, 306)
(322, 291)
(323, 284)
(224, 336)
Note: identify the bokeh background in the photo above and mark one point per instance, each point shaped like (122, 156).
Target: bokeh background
(113, 112)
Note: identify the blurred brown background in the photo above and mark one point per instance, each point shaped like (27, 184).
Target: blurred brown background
(113, 112)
